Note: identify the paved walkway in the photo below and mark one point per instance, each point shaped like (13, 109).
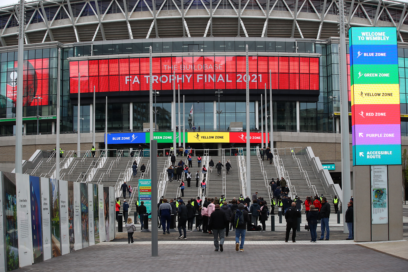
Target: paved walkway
(200, 256)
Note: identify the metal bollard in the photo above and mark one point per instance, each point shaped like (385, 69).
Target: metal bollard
(135, 217)
(280, 215)
(298, 223)
(272, 222)
(250, 221)
(120, 224)
(338, 217)
(145, 223)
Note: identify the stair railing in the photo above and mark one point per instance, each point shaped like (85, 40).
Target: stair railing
(264, 174)
(51, 156)
(36, 168)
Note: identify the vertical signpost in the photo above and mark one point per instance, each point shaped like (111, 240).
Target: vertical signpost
(376, 133)
(145, 193)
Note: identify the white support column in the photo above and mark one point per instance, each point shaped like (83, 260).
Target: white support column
(24, 128)
(297, 116)
(256, 115)
(172, 115)
(90, 119)
(337, 125)
(215, 115)
(131, 116)
(52, 128)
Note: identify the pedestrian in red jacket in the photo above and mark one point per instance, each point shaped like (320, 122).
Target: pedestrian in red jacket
(317, 203)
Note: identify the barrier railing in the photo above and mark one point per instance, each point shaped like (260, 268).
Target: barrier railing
(264, 174)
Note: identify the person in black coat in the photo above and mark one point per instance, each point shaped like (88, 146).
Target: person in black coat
(350, 220)
(190, 215)
(142, 211)
(182, 219)
(312, 216)
(173, 159)
(218, 220)
(179, 172)
(291, 215)
(325, 215)
(264, 214)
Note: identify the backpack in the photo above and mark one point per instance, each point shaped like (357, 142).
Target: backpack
(239, 219)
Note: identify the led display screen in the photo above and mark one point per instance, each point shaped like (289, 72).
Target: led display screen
(195, 73)
(376, 128)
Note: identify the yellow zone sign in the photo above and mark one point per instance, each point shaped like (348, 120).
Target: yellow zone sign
(208, 137)
(375, 94)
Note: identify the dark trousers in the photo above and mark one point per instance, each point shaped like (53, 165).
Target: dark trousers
(190, 223)
(130, 237)
(182, 192)
(182, 226)
(125, 216)
(196, 182)
(219, 171)
(263, 224)
(188, 182)
(117, 213)
(205, 223)
(290, 226)
(336, 208)
(93, 154)
(190, 163)
(165, 220)
(227, 228)
(124, 193)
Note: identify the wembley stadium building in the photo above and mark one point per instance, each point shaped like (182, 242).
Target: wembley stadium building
(198, 46)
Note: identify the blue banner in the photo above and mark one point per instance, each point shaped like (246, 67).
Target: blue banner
(373, 54)
(377, 154)
(126, 138)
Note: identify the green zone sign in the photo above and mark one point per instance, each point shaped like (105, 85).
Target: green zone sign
(162, 137)
(29, 118)
(329, 166)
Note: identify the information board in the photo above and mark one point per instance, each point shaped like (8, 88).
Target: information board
(112, 221)
(376, 123)
(36, 221)
(25, 246)
(145, 193)
(46, 218)
(379, 194)
(102, 232)
(91, 233)
(77, 216)
(64, 217)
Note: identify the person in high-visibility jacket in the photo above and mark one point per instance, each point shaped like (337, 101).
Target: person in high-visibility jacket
(280, 203)
(93, 151)
(273, 204)
(61, 152)
(336, 204)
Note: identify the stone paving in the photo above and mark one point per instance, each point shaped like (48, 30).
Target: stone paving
(190, 256)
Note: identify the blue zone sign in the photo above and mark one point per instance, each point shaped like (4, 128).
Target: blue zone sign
(126, 138)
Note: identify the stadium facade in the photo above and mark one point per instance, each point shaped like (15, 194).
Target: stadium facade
(199, 46)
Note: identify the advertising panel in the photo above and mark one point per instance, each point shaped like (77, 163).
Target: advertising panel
(36, 221)
(379, 198)
(35, 82)
(126, 138)
(25, 242)
(64, 217)
(46, 218)
(162, 137)
(195, 73)
(84, 215)
(95, 213)
(101, 209)
(91, 234)
(2, 224)
(208, 137)
(77, 216)
(112, 221)
(375, 96)
(55, 218)
(145, 193)
(106, 212)
(71, 216)
(240, 137)
(10, 210)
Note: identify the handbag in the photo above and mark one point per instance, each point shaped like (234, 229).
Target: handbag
(307, 227)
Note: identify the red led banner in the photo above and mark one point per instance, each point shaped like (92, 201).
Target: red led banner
(195, 73)
(240, 137)
(35, 82)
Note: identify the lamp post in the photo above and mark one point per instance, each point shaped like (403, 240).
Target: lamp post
(57, 148)
(219, 111)
(156, 94)
(248, 138)
(333, 98)
(78, 117)
(38, 116)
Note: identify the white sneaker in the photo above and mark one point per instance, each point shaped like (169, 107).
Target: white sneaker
(181, 236)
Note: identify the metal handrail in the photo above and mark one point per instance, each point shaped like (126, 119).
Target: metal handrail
(36, 167)
(85, 155)
(265, 176)
(91, 165)
(51, 156)
(73, 167)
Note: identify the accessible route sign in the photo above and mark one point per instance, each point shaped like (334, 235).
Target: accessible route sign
(375, 103)
(145, 193)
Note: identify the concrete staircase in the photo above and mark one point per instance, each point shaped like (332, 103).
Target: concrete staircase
(257, 179)
(214, 185)
(233, 183)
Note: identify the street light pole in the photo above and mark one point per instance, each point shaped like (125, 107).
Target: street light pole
(174, 115)
(248, 135)
(79, 117)
(271, 109)
(93, 119)
(57, 148)
(262, 135)
(219, 111)
(184, 123)
(151, 100)
(19, 100)
(179, 122)
(266, 117)
(37, 98)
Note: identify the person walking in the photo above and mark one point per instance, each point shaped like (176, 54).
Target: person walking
(170, 172)
(124, 188)
(210, 210)
(125, 210)
(143, 168)
(179, 172)
(204, 171)
(336, 204)
(134, 168)
(308, 203)
(142, 211)
(264, 215)
(204, 215)
(165, 211)
(311, 217)
(219, 167)
(130, 190)
(185, 172)
(131, 228)
(317, 203)
(325, 215)
(228, 214)
(228, 166)
(298, 204)
(350, 220)
(190, 215)
(240, 224)
(291, 216)
(255, 209)
(188, 178)
(218, 220)
(211, 164)
(199, 159)
(182, 219)
(190, 160)
(173, 159)
(203, 185)
(262, 153)
(182, 188)
(197, 176)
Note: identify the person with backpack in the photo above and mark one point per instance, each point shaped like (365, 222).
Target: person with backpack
(291, 215)
(211, 164)
(255, 209)
(228, 166)
(182, 188)
(131, 228)
(197, 176)
(240, 224)
(182, 219)
(228, 214)
(199, 161)
(264, 214)
(218, 220)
